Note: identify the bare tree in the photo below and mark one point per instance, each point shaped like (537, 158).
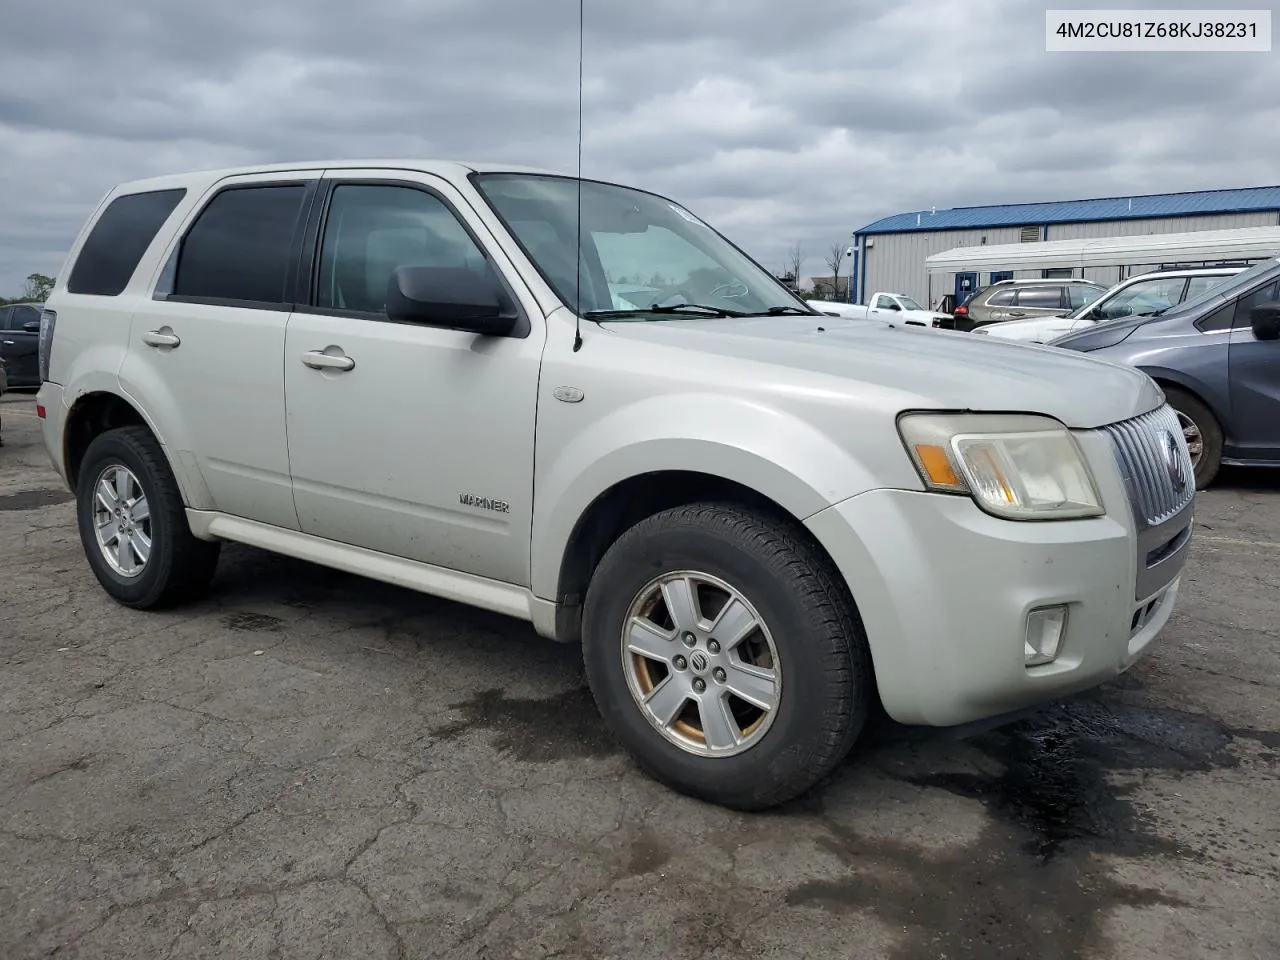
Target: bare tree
(795, 262)
(833, 260)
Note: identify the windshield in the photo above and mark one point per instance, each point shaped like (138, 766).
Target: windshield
(639, 251)
(908, 303)
(1233, 286)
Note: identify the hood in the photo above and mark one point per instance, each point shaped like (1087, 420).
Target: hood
(1041, 329)
(1102, 334)
(925, 368)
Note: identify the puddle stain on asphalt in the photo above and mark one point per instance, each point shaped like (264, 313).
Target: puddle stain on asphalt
(1030, 886)
(253, 622)
(563, 727)
(35, 499)
(1054, 783)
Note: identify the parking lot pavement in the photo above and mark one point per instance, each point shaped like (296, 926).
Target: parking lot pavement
(307, 765)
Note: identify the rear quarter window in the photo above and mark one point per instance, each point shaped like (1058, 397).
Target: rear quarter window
(118, 240)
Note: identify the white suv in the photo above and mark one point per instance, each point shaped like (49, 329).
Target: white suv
(577, 404)
(1145, 293)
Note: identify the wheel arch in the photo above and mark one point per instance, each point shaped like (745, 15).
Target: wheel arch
(1198, 389)
(96, 411)
(627, 502)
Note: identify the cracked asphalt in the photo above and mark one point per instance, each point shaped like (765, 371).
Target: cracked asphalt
(311, 765)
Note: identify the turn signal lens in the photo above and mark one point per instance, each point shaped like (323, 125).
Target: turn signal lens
(937, 466)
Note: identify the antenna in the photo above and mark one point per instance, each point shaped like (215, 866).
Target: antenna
(577, 313)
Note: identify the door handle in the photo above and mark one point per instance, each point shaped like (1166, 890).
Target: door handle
(317, 360)
(8, 343)
(154, 338)
(1017, 313)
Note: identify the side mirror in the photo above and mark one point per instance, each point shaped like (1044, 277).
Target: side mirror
(31, 326)
(450, 297)
(894, 306)
(1265, 318)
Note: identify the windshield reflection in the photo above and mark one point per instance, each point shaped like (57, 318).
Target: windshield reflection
(639, 251)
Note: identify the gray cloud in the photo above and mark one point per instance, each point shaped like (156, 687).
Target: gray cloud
(777, 122)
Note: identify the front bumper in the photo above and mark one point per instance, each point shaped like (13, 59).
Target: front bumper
(944, 590)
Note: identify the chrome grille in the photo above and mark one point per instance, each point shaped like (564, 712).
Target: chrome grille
(1153, 458)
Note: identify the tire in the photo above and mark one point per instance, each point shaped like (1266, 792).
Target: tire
(825, 666)
(178, 566)
(1210, 434)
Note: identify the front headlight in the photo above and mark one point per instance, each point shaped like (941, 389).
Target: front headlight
(1017, 466)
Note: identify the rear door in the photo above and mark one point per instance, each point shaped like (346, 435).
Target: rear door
(19, 344)
(1037, 302)
(1255, 383)
(207, 349)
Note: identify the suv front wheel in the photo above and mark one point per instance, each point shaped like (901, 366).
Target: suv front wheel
(133, 525)
(1202, 432)
(725, 655)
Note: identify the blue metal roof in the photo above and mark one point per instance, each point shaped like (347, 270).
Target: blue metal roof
(1244, 200)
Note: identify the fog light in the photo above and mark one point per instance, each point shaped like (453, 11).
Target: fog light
(1045, 627)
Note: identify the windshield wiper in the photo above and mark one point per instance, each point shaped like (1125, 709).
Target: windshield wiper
(784, 311)
(702, 308)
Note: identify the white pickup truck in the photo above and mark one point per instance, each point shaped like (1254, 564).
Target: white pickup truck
(754, 519)
(896, 307)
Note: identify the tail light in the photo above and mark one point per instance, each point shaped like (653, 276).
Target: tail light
(47, 321)
(960, 311)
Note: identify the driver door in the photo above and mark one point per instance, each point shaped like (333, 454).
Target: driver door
(1255, 382)
(408, 439)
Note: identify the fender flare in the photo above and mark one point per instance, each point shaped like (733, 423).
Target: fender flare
(777, 455)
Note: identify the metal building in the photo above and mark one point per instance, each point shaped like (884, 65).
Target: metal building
(890, 253)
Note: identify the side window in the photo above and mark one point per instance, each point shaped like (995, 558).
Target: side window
(1220, 319)
(118, 240)
(1250, 300)
(22, 316)
(1198, 285)
(371, 230)
(1040, 297)
(239, 246)
(1002, 298)
(6, 313)
(884, 303)
(1078, 296)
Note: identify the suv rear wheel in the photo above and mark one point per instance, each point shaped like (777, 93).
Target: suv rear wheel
(725, 655)
(133, 525)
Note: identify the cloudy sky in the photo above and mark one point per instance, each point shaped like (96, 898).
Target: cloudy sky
(777, 121)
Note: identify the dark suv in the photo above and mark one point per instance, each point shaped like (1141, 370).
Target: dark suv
(1015, 299)
(20, 342)
(1217, 356)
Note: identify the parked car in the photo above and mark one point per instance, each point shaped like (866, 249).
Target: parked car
(1217, 357)
(897, 307)
(19, 336)
(733, 504)
(1014, 299)
(1141, 295)
(4, 385)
